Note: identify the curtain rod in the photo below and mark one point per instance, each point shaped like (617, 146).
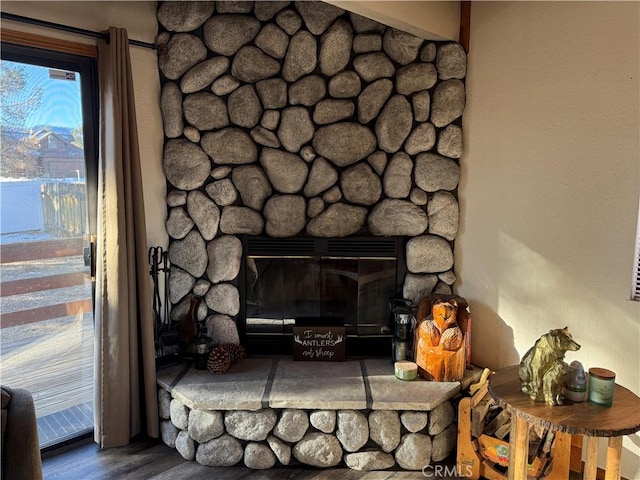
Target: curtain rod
(69, 29)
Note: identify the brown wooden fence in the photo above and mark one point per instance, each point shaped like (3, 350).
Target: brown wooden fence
(64, 208)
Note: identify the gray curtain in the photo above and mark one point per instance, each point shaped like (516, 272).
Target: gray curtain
(125, 395)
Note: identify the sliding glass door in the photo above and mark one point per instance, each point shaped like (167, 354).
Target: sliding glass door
(48, 167)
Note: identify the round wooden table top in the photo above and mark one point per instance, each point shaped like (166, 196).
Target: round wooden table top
(583, 418)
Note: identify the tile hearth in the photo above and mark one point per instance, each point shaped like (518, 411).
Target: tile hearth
(257, 383)
(268, 410)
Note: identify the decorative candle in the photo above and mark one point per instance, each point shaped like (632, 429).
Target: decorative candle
(601, 384)
(406, 370)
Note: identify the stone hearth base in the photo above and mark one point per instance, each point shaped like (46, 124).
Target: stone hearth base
(269, 410)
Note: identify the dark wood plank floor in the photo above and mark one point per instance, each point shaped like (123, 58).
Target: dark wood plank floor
(149, 459)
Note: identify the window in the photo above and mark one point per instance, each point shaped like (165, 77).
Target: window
(47, 219)
(53, 142)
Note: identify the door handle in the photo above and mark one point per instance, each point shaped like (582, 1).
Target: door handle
(89, 256)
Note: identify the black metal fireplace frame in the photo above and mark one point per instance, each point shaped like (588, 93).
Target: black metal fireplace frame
(369, 247)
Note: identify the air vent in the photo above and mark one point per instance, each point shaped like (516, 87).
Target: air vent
(340, 247)
(279, 246)
(362, 247)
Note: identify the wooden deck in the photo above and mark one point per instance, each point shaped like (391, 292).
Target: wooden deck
(46, 333)
(57, 368)
(50, 353)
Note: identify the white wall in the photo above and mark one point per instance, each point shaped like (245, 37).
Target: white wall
(550, 183)
(140, 21)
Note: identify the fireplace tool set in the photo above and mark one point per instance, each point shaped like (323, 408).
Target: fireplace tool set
(188, 335)
(164, 335)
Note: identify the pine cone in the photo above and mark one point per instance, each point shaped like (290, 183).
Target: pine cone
(219, 360)
(236, 352)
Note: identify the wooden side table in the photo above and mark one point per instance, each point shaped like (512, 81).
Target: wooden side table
(588, 419)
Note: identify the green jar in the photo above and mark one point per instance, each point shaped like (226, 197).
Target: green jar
(601, 385)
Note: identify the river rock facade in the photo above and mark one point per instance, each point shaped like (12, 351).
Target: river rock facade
(362, 440)
(298, 118)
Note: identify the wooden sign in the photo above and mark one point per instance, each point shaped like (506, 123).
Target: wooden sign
(319, 343)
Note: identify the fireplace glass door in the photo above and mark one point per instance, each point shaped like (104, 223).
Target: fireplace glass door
(323, 290)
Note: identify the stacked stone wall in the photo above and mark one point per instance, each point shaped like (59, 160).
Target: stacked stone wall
(299, 118)
(359, 439)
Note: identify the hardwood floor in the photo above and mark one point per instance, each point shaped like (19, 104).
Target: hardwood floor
(150, 459)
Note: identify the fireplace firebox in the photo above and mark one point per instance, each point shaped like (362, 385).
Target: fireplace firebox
(319, 281)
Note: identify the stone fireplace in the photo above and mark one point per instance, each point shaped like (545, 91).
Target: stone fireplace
(300, 121)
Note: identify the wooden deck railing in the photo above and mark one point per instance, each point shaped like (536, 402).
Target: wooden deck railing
(58, 307)
(26, 251)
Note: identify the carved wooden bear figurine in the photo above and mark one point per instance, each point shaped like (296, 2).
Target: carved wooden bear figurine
(440, 350)
(542, 369)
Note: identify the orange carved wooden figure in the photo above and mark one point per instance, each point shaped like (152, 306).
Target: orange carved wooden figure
(440, 347)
